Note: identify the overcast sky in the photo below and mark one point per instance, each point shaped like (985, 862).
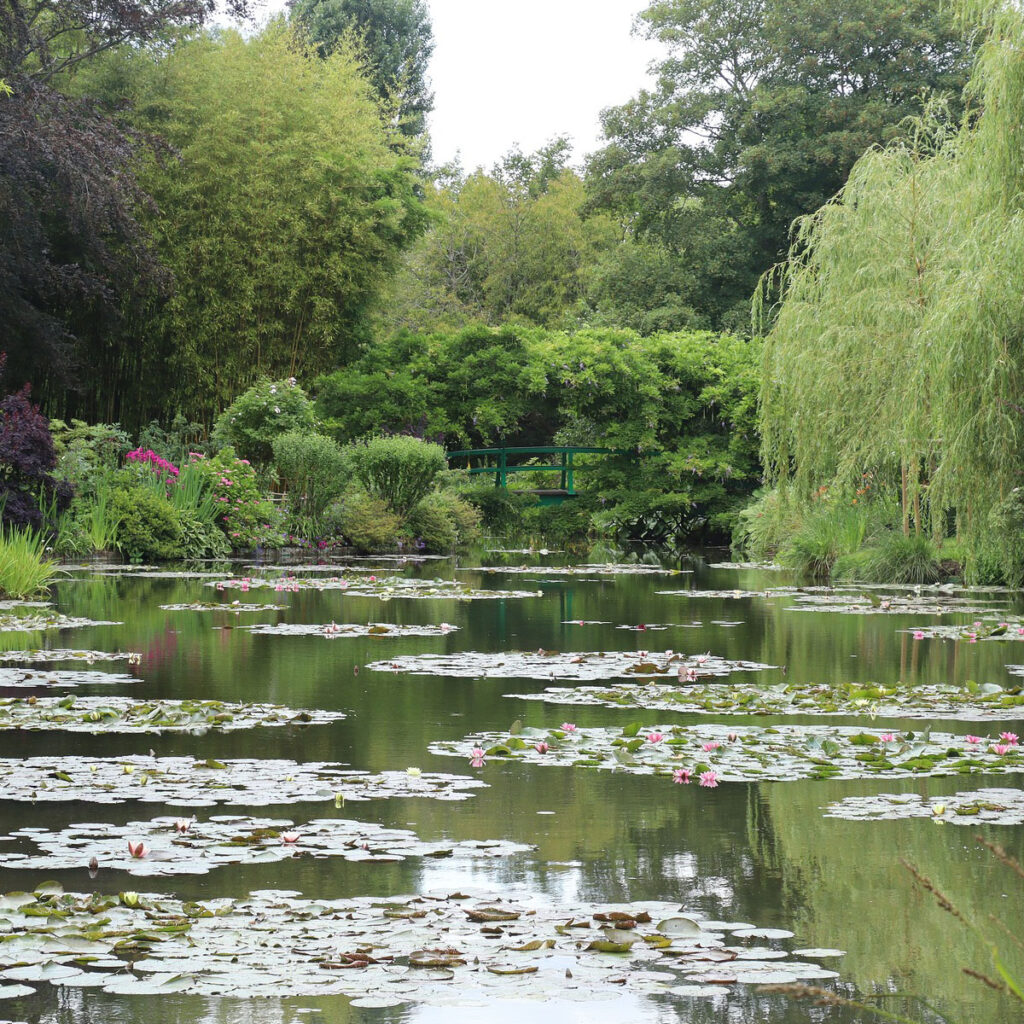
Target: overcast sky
(507, 72)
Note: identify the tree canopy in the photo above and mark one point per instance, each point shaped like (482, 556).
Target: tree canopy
(907, 289)
(396, 40)
(760, 110)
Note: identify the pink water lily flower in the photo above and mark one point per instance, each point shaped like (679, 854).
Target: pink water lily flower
(918, 634)
(289, 837)
(888, 737)
(541, 748)
(712, 745)
(138, 850)
(1002, 748)
(655, 737)
(973, 739)
(568, 727)
(732, 737)
(1009, 738)
(1020, 630)
(682, 776)
(687, 675)
(709, 779)
(476, 757)
(182, 824)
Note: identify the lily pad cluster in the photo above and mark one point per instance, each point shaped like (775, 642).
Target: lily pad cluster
(66, 678)
(334, 630)
(178, 846)
(191, 782)
(13, 623)
(385, 952)
(565, 665)
(714, 753)
(385, 588)
(56, 654)
(586, 569)
(222, 606)
(971, 633)
(981, 806)
(972, 702)
(122, 714)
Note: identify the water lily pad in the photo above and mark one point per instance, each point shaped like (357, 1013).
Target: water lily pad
(712, 753)
(403, 949)
(57, 654)
(585, 569)
(385, 588)
(994, 806)
(334, 630)
(565, 665)
(29, 678)
(122, 714)
(15, 991)
(186, 781)
(46, 620)
(223, 606)
(969, 702)
(175, 846)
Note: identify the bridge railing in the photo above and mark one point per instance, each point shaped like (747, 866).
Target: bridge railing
(502, 467)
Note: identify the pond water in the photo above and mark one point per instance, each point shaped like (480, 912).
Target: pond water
(578, 840)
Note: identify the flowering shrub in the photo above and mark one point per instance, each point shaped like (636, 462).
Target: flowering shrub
(246, 517)
(150, 458)
(266, 411)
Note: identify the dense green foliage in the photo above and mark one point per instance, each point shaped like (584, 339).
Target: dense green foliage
(395, 40)
(25, 569)
(761, 109)
(685, 402)
(907, 288)
(260, 415)
(313, 471)
(399, 470)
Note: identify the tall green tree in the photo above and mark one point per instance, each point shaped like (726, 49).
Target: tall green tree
(72, 244)
(760, 110)
(281, 216)
(907, 289)
(396, 40)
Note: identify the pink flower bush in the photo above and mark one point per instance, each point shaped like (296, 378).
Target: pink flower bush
(150, 458)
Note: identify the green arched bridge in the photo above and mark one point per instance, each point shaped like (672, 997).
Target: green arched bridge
(501, 462)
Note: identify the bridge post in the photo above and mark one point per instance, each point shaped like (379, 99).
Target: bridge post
(562, 485)
(572, 487)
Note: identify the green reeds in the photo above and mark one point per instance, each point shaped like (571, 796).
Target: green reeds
(24, 568)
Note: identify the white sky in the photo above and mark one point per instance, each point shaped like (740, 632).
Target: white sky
(524, 71)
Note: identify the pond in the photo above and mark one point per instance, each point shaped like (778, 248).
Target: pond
(423, 791)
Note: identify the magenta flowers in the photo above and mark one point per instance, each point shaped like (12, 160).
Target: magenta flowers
(918, 634)
(541, 748)
(709, 779)
(888, 737)
(973, 739)
(150, 458)
(1002, 748)
(1009, 738)
(655, 737)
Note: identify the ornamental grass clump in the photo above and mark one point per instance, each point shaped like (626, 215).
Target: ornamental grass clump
(25, 571)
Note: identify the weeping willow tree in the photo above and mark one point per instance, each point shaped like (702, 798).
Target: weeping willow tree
(897, 342)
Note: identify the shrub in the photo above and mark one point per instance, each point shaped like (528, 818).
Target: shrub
(501, 510)
(86, 454)
(201, 538)
(764, 526)
(24, 568)
(1006, 545)
(175, 443)
(368, 524)
(826, 531)
(27, 457)
(399, 470)
(312, 469)
(443, 521)
(148, 526)
(266, 411)
(568, 523)
(900, 559)
(246, 518)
